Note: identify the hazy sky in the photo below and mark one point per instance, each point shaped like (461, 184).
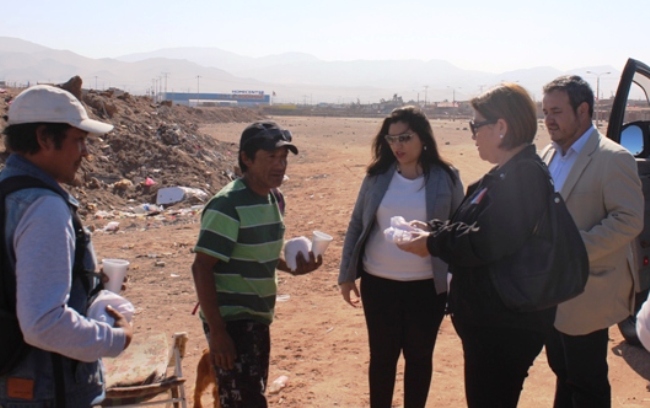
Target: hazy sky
(495, 36)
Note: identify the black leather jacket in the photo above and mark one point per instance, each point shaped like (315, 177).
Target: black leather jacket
(498, 213)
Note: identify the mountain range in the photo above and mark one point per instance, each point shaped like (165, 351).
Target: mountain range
(293, 77)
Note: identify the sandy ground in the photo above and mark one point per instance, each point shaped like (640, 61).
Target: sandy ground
(318, 340)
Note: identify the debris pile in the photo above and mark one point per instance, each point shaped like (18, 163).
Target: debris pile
(153, 146)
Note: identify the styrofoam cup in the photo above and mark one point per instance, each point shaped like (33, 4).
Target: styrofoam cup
(319, 242)
(115, 269)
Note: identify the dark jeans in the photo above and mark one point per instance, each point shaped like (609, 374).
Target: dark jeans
(244, 385)
(401, 317)
(580, 364)
(497, 360)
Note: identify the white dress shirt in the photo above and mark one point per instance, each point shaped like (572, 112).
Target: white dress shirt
(562, 162)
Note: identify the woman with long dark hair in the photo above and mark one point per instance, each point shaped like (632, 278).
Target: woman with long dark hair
(404, 295)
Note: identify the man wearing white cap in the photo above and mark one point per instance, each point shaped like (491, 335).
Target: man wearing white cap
(49, 261)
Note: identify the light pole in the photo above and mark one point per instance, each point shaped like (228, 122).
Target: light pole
(417, 95)
(198, 94)
(165, 75)
(453, 93)
(598, 92)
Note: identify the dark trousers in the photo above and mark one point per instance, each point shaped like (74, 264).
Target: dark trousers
(580, 364)
(244, 385)
(497, 360)
(401, 317)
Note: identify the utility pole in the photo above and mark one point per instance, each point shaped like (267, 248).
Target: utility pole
(198, 93)
(453, 94)
(598, 93)
(417, 93)
(426, 87)
(155, 89)
(95, 82)
(165, 75)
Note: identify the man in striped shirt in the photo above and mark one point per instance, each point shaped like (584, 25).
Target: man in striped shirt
(237, 253)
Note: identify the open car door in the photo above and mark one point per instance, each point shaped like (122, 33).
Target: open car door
(629, 125)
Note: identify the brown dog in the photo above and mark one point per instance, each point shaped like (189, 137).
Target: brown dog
(205, 376)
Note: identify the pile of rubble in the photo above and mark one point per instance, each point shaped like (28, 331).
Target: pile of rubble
(153, 146)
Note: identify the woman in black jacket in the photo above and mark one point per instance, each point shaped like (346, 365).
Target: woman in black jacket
(497, 215)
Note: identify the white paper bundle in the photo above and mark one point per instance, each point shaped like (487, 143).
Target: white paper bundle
(399, 230)
(291, 249)
(97, 310)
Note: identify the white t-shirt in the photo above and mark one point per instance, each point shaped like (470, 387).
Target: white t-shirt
(383, 258)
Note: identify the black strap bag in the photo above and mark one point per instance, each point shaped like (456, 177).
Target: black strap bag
(551, 267)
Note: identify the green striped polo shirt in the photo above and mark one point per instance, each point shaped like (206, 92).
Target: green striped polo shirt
(245, 232)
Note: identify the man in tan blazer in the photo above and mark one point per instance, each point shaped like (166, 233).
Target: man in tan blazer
(598, 180)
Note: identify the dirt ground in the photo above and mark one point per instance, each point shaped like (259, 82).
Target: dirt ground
(318, 340)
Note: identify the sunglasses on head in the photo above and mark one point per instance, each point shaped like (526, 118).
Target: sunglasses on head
(474, 126)
(392, 139)
(271, 134)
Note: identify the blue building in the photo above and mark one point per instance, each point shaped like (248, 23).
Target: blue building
(235, 98)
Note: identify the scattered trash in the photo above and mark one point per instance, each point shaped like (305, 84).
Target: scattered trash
(160, 263)
(278, 384)
(147, 209)
(103, 214)
(171, 195)
(112, 226)
(282, 298)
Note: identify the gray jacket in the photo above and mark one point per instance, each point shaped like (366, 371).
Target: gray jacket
(442, 199)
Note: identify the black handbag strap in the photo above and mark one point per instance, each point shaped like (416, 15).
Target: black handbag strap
(546, 171)
(552, 194)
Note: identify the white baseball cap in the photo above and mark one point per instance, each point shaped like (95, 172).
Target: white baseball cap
(49, 104)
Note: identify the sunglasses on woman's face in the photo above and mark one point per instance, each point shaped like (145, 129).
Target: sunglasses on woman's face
(393, 139)
(474, 126)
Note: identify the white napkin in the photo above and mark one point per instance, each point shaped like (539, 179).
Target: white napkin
(97, 310)
(291, 249)
(399, 230)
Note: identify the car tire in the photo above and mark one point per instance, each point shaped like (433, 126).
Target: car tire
(628, 330)
(628, 326)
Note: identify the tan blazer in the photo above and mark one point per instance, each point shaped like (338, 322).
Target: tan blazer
(603, 194)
